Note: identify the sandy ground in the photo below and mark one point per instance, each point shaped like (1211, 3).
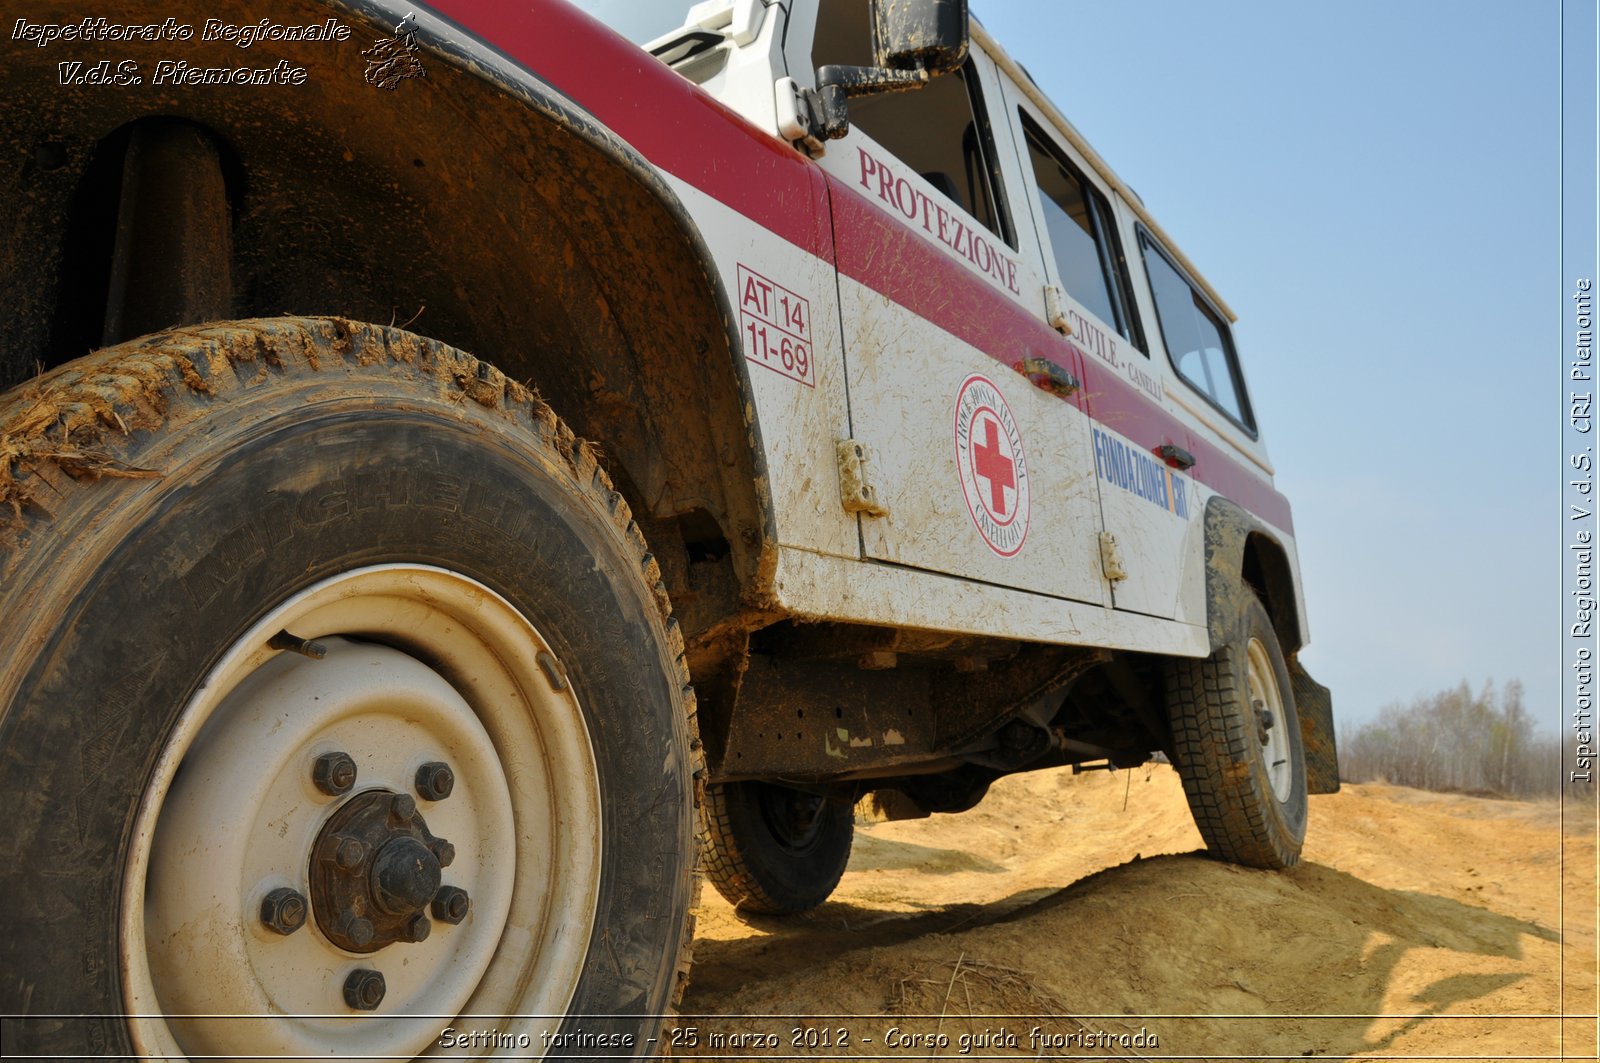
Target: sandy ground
(1076, 913)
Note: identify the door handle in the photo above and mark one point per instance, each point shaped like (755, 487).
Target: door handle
(1175, 456)
(1043, 373)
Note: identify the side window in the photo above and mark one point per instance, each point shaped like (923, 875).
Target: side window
(1082, 237)
(941, 131)
(1197, 338)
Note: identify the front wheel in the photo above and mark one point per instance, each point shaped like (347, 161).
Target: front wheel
(346, 689)
(1237, 746)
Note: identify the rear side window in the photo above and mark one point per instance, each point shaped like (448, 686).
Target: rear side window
(1082, 237)
(1197, 338)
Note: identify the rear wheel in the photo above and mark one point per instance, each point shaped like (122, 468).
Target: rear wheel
(347, 688)
(776, 850)
(1237, 746)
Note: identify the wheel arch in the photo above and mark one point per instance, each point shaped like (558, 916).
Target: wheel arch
(476, 205)
(1243, 555)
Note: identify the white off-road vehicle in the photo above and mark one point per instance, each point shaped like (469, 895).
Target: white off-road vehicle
(458, 462)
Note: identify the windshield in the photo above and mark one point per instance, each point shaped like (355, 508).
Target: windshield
(641, 21)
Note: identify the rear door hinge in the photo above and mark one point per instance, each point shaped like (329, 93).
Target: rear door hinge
(856, 491)
(1111, 558)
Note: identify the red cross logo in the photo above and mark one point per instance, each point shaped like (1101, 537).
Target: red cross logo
(989, 460)
(992, 465)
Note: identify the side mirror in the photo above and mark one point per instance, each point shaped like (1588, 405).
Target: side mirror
(921, 35)
(913, 42)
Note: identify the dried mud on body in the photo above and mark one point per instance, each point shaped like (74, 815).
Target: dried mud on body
(1076, 917)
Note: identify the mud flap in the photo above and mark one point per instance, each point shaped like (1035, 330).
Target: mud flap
(1314, 704)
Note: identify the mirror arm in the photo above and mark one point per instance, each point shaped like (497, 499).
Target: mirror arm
(856, 81)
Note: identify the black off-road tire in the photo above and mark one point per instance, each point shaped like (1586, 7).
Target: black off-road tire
(1220, 754)
(159, 497)
(772, 850)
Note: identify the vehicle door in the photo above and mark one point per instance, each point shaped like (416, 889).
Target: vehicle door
(1146, 506)
(986, 474)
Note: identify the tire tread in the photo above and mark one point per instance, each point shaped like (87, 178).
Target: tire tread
(1212, 753)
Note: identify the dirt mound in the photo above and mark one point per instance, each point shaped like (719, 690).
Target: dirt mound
(1076, 916)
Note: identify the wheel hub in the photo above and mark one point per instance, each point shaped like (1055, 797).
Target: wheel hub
(374, 870)
(793, 816)
(427, 688)
(1264, 720)
(1266, 700)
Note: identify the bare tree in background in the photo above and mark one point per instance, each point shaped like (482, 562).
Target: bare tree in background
(1456, 740)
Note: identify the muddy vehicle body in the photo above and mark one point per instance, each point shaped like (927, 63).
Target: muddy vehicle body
(458, 463)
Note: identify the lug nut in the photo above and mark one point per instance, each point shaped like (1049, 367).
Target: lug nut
(418, 929)
(364, 989)
(358, 932)
(450, 904)
(402, 807)
(435, 781)
(444, 852)
(283, 911)
(334, 773)
(350, 853)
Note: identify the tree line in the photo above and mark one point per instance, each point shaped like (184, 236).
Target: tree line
(1457, 739)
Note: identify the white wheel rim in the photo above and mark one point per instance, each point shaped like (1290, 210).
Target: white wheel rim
(422, 665)
(1267, 716)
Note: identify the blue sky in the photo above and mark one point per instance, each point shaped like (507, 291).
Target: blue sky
(1372, 187)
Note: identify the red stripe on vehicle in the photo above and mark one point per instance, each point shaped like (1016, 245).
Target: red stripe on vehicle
(896, 261)
(1123, 408)
(685, 132)
(664, 117)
